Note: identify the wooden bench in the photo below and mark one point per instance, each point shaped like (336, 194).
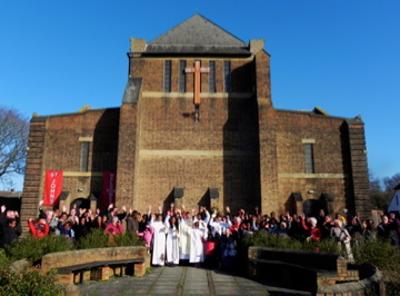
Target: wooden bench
(77, 266)
(98, 270)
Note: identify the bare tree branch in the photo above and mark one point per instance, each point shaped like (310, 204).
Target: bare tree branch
(14, 129)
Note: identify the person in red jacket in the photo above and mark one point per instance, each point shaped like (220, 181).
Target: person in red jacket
(314, 234)
(38, 229)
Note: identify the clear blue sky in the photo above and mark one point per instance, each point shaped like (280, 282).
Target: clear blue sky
(341, 55)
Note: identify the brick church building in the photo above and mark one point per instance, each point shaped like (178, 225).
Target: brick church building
(197, 125)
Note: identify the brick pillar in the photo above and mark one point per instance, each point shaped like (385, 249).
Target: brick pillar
(127, 147)
(33, 172)
(267, 134)
(359, 167)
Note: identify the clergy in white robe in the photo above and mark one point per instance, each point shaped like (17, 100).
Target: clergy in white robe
(197, 235)
(184, 238)
(159, 231)
(172, 240)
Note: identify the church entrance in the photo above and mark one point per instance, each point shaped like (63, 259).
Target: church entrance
(81, 203)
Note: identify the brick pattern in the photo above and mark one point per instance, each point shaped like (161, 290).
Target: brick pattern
(127, 147)
(359, 169)
(33, 171)
(329, 157)
(151, 70)
(226, 125)
(250, 145)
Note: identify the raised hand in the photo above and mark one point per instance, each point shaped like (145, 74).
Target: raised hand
(3, 208)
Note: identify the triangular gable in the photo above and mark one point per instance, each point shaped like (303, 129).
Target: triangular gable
(198, 31)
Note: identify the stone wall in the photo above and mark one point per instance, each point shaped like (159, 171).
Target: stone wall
(317, 273)
(70, 258)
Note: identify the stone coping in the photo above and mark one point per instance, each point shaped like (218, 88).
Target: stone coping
(74, 257)
(374, 282)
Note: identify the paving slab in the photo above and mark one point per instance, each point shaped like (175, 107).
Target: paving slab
(178, 280)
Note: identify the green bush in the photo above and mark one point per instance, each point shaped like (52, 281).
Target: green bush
(27, 283)
(3, 259)
(379, 253)
(329, 246)
(34, 249)
(97, 239)
(384, 256)
(94, 239)
(127, 239)
(263, 239)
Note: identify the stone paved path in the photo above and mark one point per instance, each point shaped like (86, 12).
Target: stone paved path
(180, 280)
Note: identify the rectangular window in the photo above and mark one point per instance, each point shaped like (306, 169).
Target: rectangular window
(212, 87)
(309, 159)
(167, 76)
(182, 76)
(84, 162)
(227, 76)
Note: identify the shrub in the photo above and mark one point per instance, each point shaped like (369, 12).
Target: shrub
(379, 253)
(34, 249)
(263, 239)
(384, 256)
(97, 239)
(127, 239)
(329, 246)
(3, 259)
(28, 283)
(94, 239)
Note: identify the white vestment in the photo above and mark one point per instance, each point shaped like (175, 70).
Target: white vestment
(196, 245)
(172, 245)
(184, 240)
(159, 229)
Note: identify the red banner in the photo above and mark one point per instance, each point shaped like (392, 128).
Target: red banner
(53, 185)
(108, 191)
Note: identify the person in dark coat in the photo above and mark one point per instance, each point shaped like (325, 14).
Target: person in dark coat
(10, 233)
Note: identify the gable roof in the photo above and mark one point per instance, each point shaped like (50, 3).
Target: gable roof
(197, 35)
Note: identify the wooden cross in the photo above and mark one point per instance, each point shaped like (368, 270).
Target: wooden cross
(197, 70)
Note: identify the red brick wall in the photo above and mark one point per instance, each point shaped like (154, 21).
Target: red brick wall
(59, 148)
(152, 71)
(164, 128)
(291, 129)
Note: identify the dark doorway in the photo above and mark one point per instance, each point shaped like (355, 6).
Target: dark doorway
(81, 203)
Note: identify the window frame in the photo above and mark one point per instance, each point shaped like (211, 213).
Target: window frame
(167, 76)
(227, 74)
(309, 158)
(84, 156)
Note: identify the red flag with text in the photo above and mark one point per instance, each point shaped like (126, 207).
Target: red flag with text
(53, 185)
(108, 191)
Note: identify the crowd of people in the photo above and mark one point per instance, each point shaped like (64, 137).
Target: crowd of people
(178, 235)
